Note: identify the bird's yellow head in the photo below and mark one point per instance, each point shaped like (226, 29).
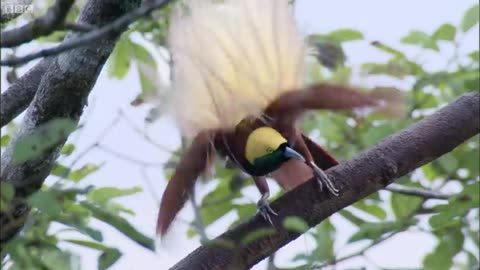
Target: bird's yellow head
(266, 149)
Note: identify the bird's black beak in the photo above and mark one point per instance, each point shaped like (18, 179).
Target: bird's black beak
(290, 153)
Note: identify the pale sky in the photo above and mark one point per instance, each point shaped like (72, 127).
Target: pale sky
(386, 21)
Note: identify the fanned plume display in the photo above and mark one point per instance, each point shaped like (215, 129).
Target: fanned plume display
(231, 59)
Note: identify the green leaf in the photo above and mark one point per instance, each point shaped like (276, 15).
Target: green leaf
(374, 230)
(88, 244)
(475, 236)
(218, 202)
(421, 39)
(149, 81)
(58, 260)
(108, 258)
(470, 18)
(392, 69)
(142, 54)
(246, 211)
(448, 162)
(104, 194)
(257, 234)
(383, 47)
(430, 172)
(121, 224)
(5, 140)
(445, 32)
(212, 213)
(475, 55)
(222, 243)
(372, 209)
(452, 214)
(42, 139)
(60, 170)
(377, 133)
(403, 206)
(119, 60)
(325, 233)
(425, 100)
(471, 191)
(348, 215)
(221, 192)
(295, 224)
(7, 191)
(68, 149)
(84, 171)
(45, 202)
(118, 208)
(345, 35)
(451, 242)
(329, 129)
(191, 232)
(472, 261)
(341, 75)
(88, 231)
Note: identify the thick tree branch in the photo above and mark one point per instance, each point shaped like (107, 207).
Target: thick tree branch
(419, 192)
(62, 92)
(41, 26)
(372, 170)
(17, 97)
(111, 29)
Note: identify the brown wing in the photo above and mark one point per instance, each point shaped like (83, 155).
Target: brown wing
(288, 107)
(321, 157)
(293, 172)
(193, 162)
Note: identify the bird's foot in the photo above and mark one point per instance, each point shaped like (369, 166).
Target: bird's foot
(265, 210)
(322, 178)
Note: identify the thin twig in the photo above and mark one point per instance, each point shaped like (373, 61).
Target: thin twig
(115, 27)
(78, 27)
(128, 158)
(199, 225)
(361, 252)
(88, 149)
(271, 262)
(420, 192)
(145, 135)
(150, 187)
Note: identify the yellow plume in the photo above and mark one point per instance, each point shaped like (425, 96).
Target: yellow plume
(231, 59)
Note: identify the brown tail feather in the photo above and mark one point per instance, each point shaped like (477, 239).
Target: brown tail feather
(193, 162)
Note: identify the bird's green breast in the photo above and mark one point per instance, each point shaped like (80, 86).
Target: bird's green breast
(266, 164)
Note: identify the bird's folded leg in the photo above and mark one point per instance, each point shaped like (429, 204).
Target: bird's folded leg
(263, 206)
(322, 178)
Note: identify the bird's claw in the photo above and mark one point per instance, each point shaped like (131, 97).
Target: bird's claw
(265, 210)
(322, 178)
